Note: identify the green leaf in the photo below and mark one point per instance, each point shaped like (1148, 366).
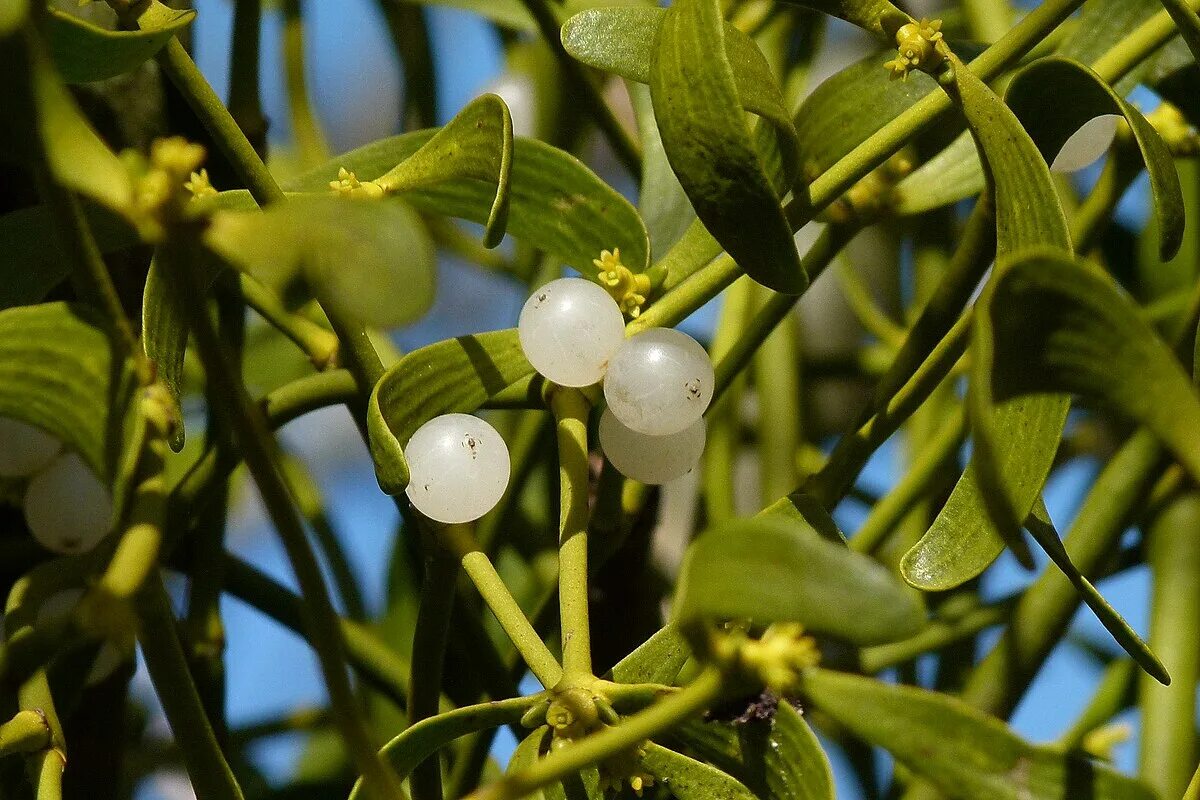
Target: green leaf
(556, 203)
(57, 371)
(968, 754)
(796, 766)
(456, 375)
(477, 145)
(656, 660)
(425, 738)
(1077, 94)
(661, 200)
(850, 106)
(1015, 438)
(688, 779)
(85, 52)
(29, 269)
(42, 125)
(1042, 529)
(779, 759)
(1062, 327)
(372, 261)
(621, 41)
(771, 568)
(708, 144)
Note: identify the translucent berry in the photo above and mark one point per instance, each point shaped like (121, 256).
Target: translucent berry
(458, 468)
(651, 459)
(569, 330)
(68, 509)
(24, 449)
(1086, 145)
(659, 382)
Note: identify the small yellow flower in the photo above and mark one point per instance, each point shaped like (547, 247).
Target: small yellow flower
(627, 287)
(176, 156)
(199, 185)
(348, 185)
(919, 45)
(779, 656)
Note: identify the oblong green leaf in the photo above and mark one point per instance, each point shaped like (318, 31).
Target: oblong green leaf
(1062, 327)
(85, 52)
(1076, 94)
(775, 568)
(850, 106)
(556, 203)
(709, 147)
(372, 261)
(968, 754)
(1015, 439)
(58, 372)
(656, 660)
(456, 375)
(688, 779)
(476, 145)
(621, 41)
(1043, 532)
(797, 767)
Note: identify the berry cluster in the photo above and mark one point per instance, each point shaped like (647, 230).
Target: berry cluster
(657, 385)
(67, 508)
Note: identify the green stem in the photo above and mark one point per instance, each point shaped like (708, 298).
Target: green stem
(428, 658)
(887, 514)
(625, 149)
(312, 507)
(689, 701)
(312, 392)
(508, 613)
(777, 386)
(245, 101)
(724, 414)
(137, 552)
(1141, 43)
(311, 145)
(374, 661)
(1168, 737)
(1193, 790)
(570, 409)
(1112, 696)
(939, 633)
(219, 123)
(733, 360)
(421, 740)
(211, 777)
(987, 20)
(319, 344)
(261, 455)
(27, 732)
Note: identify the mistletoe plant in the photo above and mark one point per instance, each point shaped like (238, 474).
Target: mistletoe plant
(526, 462)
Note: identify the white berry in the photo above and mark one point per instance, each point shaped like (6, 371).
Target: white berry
(67, 507)
(659, 382)
(24, 449)
(1086, 145)
(458, 468)
(569, 330)
(651, 459)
